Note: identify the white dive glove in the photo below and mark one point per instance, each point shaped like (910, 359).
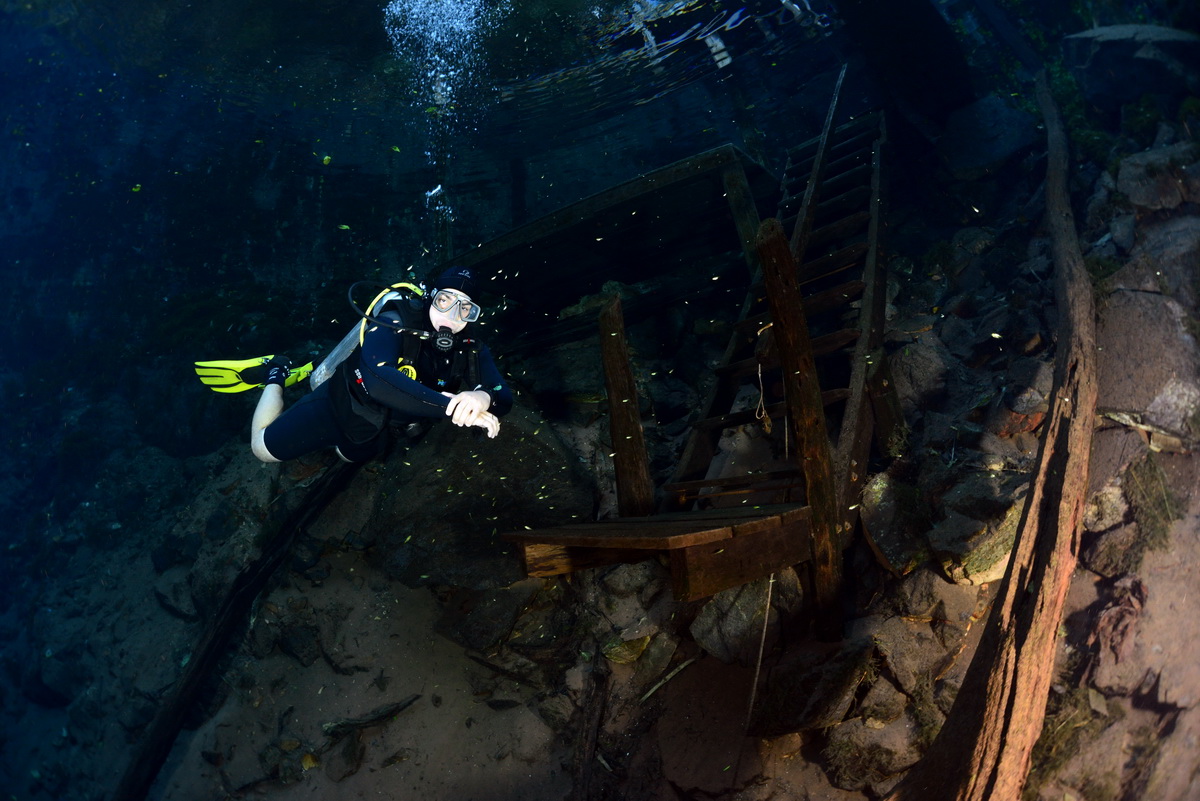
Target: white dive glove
(471, 409)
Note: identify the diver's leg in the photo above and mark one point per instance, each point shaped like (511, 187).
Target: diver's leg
(269, 407)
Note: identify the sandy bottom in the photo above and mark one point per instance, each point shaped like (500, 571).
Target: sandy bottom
(449, 743)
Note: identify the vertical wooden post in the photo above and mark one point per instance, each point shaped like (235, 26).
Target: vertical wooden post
(808, 208)
(745, 215)
(635, 492)
(806, 415)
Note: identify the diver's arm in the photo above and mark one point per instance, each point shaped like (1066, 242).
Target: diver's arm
(381, 349)
(493, 384)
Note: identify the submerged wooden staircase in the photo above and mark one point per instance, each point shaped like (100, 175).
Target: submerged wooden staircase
(806, 349)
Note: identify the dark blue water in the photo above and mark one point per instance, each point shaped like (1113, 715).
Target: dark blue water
(192, 180)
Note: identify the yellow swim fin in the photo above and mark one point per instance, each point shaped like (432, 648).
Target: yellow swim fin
(240, 375)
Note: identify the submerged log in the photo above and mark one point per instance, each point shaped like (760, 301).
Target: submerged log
(162, 732)
(983, 750)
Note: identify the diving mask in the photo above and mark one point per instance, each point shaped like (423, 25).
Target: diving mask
(444, 300)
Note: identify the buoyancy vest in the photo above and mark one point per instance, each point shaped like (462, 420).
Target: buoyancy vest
(360, 416)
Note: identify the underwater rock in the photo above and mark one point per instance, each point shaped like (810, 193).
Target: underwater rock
(730, 625)
(528, 477)
(926, 595)
(981, 137)
(1164, 259)
(887, 513)
(986, 495)
(858, 755)
(815, 690)
(624, 581)
(973, 551)
(1123, 228)
(176, 548)
(1108, 555)
(906, 645)
(1154, 179)
(919, 373)
(882, 704)
(1105, 509)
(1147, 361)
(300, 641)
(480, 619)
(175, 595)
(345, 758)
(1116, 64)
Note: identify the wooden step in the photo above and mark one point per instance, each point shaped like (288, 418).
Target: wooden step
(832, 263)
(851, 225)
(840, 205)
(814, 304)
(821, 346)
(726, 548)
(842, 228)
(825, 265)
(838, 177)
(703, 570)
(844, 136)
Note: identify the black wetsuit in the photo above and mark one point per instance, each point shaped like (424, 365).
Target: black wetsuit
(351, 410)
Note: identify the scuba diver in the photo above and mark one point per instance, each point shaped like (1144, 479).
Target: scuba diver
(410, 362)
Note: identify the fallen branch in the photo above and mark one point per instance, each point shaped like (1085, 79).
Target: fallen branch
(340, 728)
(983, 750)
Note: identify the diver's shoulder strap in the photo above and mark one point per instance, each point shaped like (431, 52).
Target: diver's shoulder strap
(466, 361)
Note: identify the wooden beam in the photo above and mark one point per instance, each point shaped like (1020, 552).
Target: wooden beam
(639, 533)
(854, 440)
(635, 490)
(704, 570)
(548, 559)
(806, 415)
(808, 208)
(983, 751)
(745, 213)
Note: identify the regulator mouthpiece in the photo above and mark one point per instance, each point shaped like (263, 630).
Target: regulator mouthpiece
(444, 339)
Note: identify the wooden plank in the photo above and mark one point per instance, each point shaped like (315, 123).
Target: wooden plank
(808, 210)
(753, 527)
(838, 229)
(545, 559)
(816, 303)
(807, 419)
(635, 490)
(843, 204)
(846, 180)
(846, 134)
(821, 346)
(854, 440)
(826, 265)
(745, 213)
(665, 536)
(703, 570)
(832, 262)
(847, 158)
(734, 516)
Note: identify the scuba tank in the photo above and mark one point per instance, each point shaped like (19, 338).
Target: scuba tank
(341, 351)
(354, 336)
